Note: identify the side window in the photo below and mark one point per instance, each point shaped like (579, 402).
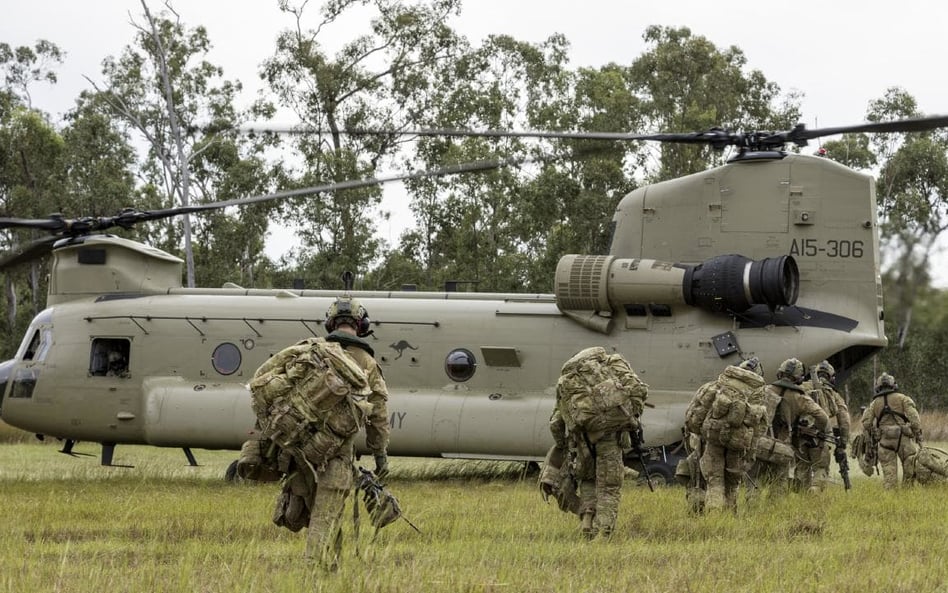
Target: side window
(109, 357)
(30, 352)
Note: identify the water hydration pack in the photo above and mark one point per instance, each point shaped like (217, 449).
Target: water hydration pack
(599, 392)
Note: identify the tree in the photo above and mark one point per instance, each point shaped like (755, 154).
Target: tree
(29, 149)
(912, 192)
(178, 102)
(687, 84)
(378, 80)
(23, 66)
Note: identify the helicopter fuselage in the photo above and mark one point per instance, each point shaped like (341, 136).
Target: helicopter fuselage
(124, 354)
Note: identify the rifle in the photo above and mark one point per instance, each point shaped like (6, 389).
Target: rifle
(382, 505)
(839, 453)
(638, 437)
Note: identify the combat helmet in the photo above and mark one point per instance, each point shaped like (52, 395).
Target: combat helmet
(752, 364)
(347, 308)
(825, 370)
(792, 370)
(885, 384)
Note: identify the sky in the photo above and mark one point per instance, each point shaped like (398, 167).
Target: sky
(840, 54)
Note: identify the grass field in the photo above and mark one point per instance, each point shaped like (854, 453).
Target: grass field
(70, 525)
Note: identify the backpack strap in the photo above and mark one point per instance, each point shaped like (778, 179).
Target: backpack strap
(887, 410)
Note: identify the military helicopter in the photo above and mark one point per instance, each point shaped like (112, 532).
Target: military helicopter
(773, 254)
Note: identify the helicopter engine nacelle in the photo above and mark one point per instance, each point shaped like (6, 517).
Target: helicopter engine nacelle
(588, 286)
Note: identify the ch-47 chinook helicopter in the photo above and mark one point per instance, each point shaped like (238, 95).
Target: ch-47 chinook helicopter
(773, 254)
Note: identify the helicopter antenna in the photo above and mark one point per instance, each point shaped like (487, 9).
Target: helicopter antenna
(347, 280)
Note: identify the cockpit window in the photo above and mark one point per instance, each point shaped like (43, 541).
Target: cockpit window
(109, 357)
(39, 344)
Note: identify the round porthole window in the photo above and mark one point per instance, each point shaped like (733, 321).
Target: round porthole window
(460, 364)
(226, 358)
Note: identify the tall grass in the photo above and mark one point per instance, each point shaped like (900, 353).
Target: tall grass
(71, 525)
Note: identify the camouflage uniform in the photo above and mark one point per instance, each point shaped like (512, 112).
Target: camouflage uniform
(598, 469)
(815, 461)
(789, 404)
(722, 467)
(335, 478)
(894, 426)
(596, 455)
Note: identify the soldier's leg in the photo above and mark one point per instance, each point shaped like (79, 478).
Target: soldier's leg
(733, 473)
(585, 469)
(609, 474)
(778, 478)
(889, 462)
(821, 471)
(907, 453)
(804, 475)
(712, 469)
(324, 538)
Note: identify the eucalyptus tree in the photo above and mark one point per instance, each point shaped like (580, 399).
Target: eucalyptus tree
(687, 84)
(912, 192)
(164, 88)
(29, 149)
(376, 80)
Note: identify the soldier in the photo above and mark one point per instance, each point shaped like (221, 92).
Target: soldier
(729, 423)
(893, 424)
(348, 322)
(599, 400)
(814, 465)
(787, 405)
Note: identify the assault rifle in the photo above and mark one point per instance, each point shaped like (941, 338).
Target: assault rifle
(382, 505)
(839, 453)
(638, 437)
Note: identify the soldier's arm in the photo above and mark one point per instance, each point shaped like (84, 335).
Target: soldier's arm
(867, 417)
(819, 414)
(377, 427)
(915, 421)
(558, 430)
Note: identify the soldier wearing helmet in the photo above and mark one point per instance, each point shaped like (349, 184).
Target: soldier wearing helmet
(822, 389)
(727, 420)
(894, 427)
(788, 407)
(347, 322)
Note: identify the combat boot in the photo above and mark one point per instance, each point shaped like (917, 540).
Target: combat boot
(588, 529)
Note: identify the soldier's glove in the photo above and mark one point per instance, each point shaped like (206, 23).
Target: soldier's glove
(381, 465)
(546, 490)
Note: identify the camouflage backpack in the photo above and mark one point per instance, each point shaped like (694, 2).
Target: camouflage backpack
(930, 464)
(735, 419)
(309, 398)
(599, 392)
(865, 452)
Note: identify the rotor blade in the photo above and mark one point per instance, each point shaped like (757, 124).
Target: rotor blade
(129, 217)
(920, 124)
(31, 251)
(715, 137)
(453, 132)
(53, 223)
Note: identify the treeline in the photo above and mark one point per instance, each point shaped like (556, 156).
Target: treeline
(162, 127)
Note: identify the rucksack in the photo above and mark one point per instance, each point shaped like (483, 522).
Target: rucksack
(310, 397)
(735, 419)
(599, 392)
